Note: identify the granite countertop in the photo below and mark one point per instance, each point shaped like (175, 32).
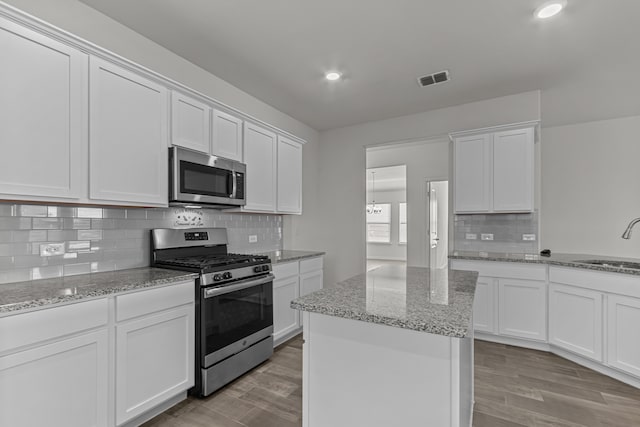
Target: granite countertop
(45, 292)
(434, 301)
(289, 255)
(559, 259)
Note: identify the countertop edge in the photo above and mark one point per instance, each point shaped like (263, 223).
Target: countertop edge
(36, 304)
(379, 320)
(558, 263)
(292, 255)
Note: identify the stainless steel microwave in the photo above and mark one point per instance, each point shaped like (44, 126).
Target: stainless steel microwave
(205, 181)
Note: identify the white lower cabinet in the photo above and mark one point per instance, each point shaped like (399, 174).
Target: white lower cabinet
(63, 383)
(483, 306)
(310, 282)
(293, 279)
(575, 320)
(154, 360)
(523, 308)
(57, 365)
(623, 340)
(285, 318)
(510, 298)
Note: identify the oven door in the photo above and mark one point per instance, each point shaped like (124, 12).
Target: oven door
(200, 178)
(235, 317)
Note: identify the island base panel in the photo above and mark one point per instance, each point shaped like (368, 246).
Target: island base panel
(360, 373)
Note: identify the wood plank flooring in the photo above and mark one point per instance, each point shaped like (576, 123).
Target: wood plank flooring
(514, 387)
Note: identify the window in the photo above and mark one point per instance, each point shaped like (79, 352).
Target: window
(379, 223)
(402, 223)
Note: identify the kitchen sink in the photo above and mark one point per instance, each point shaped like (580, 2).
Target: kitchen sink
(611, 263)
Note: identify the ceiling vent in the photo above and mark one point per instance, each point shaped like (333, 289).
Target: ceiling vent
(431, 79)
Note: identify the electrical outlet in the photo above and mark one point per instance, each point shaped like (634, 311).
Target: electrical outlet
(471, 236)
(486, 236)
(253, 238)
(529, 237)
(52, 249)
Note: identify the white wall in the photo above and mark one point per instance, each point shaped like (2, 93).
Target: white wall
(394, 250)
(341, 155)
(591, 187)
(91, 25)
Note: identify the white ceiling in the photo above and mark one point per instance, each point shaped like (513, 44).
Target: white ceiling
(278, 51)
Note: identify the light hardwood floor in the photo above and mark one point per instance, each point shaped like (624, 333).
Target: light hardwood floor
(514, 387)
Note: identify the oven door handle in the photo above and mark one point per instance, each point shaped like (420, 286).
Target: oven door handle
(214, 292)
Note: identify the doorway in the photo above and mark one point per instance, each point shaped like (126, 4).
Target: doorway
(437, 197)
(386, 216)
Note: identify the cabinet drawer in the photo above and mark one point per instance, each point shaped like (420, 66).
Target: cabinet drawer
(285, 270)
(615, 283)
(152, 300)
(30, 328)
(309, 265)
(509, 270)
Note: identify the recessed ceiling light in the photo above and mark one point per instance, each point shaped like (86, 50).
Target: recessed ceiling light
(549, 9)
(332, 76)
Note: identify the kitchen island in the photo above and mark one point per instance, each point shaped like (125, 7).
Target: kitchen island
(393, 346)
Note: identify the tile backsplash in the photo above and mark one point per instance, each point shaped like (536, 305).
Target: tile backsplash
(103, 239)
(507, 231)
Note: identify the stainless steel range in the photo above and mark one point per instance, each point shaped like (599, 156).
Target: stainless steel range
(234, 302)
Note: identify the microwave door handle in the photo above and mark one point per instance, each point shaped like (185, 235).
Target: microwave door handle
(237, 287)
(234, 186)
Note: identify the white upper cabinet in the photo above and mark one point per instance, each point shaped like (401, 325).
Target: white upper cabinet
(513, 159)
(494, 171)
(43, 108)
(260, 158)
(226, 139)
(128, 137)
(190, 123)
(473, 173)
(289, 176)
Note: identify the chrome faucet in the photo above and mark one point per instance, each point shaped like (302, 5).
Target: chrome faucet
(627, 232)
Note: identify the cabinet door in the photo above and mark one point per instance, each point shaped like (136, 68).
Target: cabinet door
(190, 123)
(472, 176)
(61, 384)
(484, 305)
(43, 108)
(522, 308)
(310, 282)
(260, 157)
(513, 158)
(128, 137)
(289, 176)
(154, 360)
(575, 320)
(285, 318)
(622, 337)
(227, 136)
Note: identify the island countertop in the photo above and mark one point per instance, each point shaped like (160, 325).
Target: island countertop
(434, 301)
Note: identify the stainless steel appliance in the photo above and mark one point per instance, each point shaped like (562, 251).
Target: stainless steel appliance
(197, 179)
(234, 302)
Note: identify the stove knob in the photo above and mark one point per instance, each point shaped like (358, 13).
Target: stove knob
(217, 277)
(226, 275)
(265, 268)
(257, 269)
